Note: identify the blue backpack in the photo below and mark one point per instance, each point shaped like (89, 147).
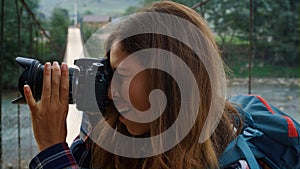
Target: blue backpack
(268, 135)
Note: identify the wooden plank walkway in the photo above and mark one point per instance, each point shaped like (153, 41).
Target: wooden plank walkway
(73, 51)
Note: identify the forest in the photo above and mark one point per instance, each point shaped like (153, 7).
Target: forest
(27, 31)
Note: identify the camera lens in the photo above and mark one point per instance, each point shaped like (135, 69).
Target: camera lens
(88, 82)
(33, 76)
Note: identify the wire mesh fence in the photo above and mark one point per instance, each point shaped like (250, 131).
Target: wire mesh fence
(18, 144)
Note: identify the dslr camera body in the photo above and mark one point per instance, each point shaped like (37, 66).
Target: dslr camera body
(88, 82)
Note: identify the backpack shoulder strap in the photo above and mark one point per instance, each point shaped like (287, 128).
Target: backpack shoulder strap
(236, 150)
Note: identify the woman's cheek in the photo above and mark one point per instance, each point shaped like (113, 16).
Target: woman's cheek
(139, 93)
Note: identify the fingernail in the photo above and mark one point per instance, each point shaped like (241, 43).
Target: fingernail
(63, 66)
(47, 66)
(55, 63)
(26, 88)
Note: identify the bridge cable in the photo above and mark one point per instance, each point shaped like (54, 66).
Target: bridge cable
(1, 62)
(250, 47)
(19, 14)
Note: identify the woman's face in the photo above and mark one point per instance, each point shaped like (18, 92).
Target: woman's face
(139, 90)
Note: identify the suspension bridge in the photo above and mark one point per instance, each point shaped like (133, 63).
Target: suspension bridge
(17, 145)
(73, 51)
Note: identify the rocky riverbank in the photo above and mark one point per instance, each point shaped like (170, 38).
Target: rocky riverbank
(287, 82)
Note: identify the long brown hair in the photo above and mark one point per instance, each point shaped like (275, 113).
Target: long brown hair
(188, 153)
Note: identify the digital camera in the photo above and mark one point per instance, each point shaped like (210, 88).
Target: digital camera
(88, 82)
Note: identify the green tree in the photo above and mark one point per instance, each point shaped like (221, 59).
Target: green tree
(275, 27)
(275, 37)
(276, 33)
(32, 41)
(230, 22)
(11, 46)
(58, 28)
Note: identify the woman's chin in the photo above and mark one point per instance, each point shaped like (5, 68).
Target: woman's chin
(135, 129)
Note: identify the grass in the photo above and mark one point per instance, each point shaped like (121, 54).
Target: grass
(264, 70)
(233, 40)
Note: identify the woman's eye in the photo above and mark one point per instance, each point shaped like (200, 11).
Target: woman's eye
(118, 78)
(123, 73)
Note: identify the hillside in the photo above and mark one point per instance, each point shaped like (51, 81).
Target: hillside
(112, 8)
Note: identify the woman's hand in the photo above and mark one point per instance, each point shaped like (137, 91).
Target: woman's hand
(49, 114)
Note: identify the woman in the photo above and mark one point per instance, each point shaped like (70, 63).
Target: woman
(162, 30)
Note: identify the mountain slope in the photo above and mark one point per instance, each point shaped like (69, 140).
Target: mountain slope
(112, 8)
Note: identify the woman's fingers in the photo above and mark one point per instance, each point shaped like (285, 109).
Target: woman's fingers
(55, 86)
(55, 83)
(29, 98)
(49, 114)
(46, 93)
(64, 84)
(56, 75)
